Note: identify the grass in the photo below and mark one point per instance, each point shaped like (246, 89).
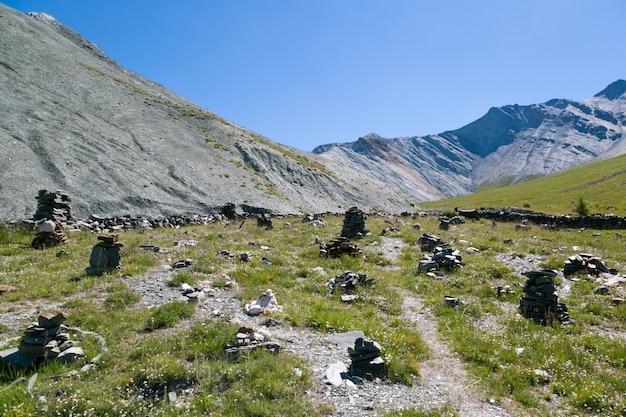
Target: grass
(561, 370)
(597, 183)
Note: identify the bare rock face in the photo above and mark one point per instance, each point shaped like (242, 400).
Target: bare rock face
(506, 145)
(74, 119)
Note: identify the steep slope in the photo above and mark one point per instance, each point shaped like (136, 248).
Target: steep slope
(117, 143)
(507, 145)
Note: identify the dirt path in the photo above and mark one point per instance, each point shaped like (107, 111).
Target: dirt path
(444, 374)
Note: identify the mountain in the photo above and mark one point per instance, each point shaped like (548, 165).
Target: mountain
(507, 145)
(75, 120)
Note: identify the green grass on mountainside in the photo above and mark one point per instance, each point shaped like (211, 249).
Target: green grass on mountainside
(602, 184)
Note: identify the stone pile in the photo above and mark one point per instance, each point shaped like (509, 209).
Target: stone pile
(53, 206)
(266, 303)
(540, 301)
(338, 247)
(49, 234)
(183, 263)
(585, 263)
(191, 294)
(366, 361)
(314, 220)
(248, 340)
(445, 222)
(105, 255)
(348, 282)
(428, 242)
(47, 339)
(229, 211)
(354, 226)
(443, 258)
(264, 220)
(453, 302)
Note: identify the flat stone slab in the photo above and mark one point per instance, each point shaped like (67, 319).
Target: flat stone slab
(14, 357)
(346, 339)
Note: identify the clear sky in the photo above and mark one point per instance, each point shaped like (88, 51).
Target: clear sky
(310, 72)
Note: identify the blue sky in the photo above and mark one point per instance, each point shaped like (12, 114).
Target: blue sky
(310, 72)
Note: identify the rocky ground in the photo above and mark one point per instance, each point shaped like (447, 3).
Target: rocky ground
(443, 379)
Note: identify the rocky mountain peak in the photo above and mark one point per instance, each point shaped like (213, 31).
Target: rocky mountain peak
(614, 90)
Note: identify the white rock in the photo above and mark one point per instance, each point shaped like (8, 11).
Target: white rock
(333, 373)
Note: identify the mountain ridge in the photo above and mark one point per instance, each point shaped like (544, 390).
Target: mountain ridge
(507, 145)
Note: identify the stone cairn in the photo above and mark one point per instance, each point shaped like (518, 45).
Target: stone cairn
(53, 210)
(586, 263)
(229, 212)
(338, 247)
(443, 258)
(348, 282)
(366, 361)
(49, 234)
(266, 303)
(46, 339)
(540, 301)
(265, 220)
(428, 242)
(105, 255)
(445, 222)
(53, 206)
(354, 224)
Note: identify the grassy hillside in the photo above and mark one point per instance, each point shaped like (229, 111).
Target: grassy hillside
(601, 184)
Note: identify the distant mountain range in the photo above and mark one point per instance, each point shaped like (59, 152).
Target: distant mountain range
(507, 145)
(75, 120)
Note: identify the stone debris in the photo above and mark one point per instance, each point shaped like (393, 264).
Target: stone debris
(266, 303)
(540, 301)
(314, 220)
(348, 282)
(338, 247)
(503, 290)
(49, 234)
(191, 294)
(354, 226)
(245, 257)
(53, 206)
(183, 243)
(586, 263)
(226, 254)
(47, 339)
(366, 360)
(453, 302)
(105, 255)
(249, 340)
(183, 263)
